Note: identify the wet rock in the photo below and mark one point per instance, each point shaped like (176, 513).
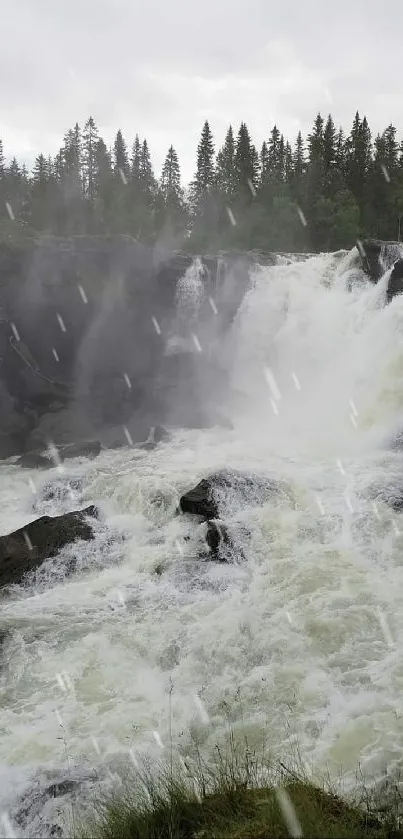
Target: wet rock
(89, 448)
(219, 493)
(142, 435)
(25, 549)
(395, 284)
(224, 541)
(42, 459)
(34, 460)
(377, 256)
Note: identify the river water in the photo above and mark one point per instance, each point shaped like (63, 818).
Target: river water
(299, 642)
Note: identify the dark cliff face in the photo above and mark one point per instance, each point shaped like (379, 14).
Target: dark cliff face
(87, 322)
(377, 257)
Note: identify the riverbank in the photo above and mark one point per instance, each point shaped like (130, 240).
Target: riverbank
(230, 803)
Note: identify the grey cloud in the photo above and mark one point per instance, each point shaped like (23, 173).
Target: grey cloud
(161, 68)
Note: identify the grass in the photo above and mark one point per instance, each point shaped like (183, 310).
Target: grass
(236, 800)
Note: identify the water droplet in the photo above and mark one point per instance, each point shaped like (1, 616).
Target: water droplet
(231, 216)
(213, 305)
(28, 541)
(15, 331)
(251, 187)
(128, 436)
(385, 173)
(289, 815)
(156, 325)
(302, 217)
(10, 211)
(61, 323)
(83, 294)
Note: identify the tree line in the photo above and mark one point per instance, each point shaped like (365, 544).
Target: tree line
(323, 192)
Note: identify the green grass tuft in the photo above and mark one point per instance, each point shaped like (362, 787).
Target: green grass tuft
(228, 801)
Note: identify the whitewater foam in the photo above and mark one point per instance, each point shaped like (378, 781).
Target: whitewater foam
(289, 642)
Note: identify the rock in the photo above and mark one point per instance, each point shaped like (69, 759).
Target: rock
(43, 460)
(395, 284)
(63, 427)
(90, 448)
(377, 256)
(219, 541)
(34, 460)
(25, 549)
(216, 495)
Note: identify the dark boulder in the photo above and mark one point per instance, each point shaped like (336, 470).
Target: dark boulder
(224, 541)
(377, 256)
(24, 550)
(44, 460)
(218, 494)
(89, 448)
(34, 460)
(395, 284)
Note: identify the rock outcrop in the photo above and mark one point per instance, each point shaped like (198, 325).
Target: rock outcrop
(219, 500)
(85, 324)
(395, 284)
(226, 491)
(46, 459)
(377, 256)
(24, 550)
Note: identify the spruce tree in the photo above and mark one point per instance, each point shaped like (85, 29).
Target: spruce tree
(148, 189)
(246, 164)
(120, 157)
(90, 170)
(329, 156)
(104, 201)
(170, 208)
(39, 218)
(136, 160)
(225, 180)
(2, 161)
(358, 160)
(203, 198)
(204, 179)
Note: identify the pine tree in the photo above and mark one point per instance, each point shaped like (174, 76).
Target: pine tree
(204, 179)
(104, 206)
(136, 160)
(264, 164)
(225, 181)
(358, 160)
(315, 178)
(40, 193)
(329, 156)
(147, 193)
(120, 157)
(2, 160)
(246, 164)
(171, 178)
(90, 172)
(146, 174)
(171, 214)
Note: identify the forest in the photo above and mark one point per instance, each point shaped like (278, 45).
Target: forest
(317, 193)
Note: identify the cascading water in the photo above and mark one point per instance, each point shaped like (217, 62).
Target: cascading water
(302, 638)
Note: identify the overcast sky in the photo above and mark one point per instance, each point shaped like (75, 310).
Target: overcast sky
(161, 67)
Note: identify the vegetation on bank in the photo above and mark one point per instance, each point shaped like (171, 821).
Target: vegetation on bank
(239, 802)
(321, 192)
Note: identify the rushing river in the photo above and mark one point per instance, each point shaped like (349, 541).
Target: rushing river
(300, 641)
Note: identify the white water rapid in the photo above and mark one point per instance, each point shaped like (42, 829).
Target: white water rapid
(300, 641)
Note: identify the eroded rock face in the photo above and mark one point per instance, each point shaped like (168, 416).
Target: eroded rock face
(395, 284)
(24, 550)
(84, 327)
(377, 256)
